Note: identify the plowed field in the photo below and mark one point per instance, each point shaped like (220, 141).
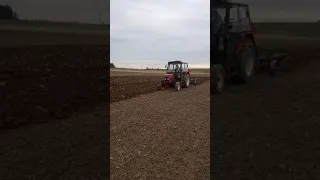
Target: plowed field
(50, 82)
(124, 87)
(269, 129)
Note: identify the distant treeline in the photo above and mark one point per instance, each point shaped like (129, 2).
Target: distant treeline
(6, 12)
(112, 65)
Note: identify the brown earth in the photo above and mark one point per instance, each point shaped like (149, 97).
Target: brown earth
(268, 129)
(43, 88)
(265, 130)
(124, 87)
(30, 38)
(50, 82)
(162, 135)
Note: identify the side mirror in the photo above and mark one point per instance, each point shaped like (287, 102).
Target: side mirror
(166, 66)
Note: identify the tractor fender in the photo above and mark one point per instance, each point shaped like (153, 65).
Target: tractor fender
(243, 39)
(249, 37)
(185, 74)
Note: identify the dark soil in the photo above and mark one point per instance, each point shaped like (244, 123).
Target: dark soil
(125, 87)
(269, 129)
(50, 82)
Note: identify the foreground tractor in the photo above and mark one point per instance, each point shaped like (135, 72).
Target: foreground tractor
(234, 46)
(178, 75)
(235, 53)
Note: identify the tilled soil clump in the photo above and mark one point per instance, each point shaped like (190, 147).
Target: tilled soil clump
(301, 56)
(125, 87)
(44, 82)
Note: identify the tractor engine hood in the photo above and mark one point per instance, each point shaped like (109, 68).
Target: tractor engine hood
(168, 78)
(169, 75)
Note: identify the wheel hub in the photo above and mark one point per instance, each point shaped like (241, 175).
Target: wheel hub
(188, 81)
(220, 80)
(249, 62)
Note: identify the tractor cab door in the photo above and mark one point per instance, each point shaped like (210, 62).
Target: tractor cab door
(239, 27)
(188, 68)
(239, 19)
(184, 68)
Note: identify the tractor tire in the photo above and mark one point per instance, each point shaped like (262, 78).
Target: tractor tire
(187, 80)
(178, 86)
(248, 61)
(218, 78)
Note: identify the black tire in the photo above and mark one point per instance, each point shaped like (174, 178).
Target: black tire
(187, 81)
(248, 61)
(218, 78)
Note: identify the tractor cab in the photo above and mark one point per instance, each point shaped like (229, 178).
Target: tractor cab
(234, 47)
(231, 18)
(176, 66)
(177, 73)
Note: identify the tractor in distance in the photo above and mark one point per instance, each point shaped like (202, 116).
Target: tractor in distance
(177, 75)
(235, 53)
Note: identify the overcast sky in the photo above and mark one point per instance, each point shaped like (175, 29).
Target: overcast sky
(152, 32)
(149, 33)
(86, 11)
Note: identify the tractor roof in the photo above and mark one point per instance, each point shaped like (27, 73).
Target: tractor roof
(225, 3)
(177, 62)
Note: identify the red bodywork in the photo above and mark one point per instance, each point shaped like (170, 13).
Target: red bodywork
(168, 78)
(249, 35)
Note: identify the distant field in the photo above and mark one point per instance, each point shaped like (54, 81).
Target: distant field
(289, 29)
(287, 35)
(202, 70)
(55, 27)
(139, 72)
(33, 33)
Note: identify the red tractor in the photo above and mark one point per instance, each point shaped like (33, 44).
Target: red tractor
(235, 52)
(177, 75)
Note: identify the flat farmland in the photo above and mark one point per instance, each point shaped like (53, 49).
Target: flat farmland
(133, 72)
(128, 83)
(289, 29)
(31, 33)
(46, 80)
(268, 128)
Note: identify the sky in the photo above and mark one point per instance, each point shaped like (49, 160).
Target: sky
(84, 11)
(149, 33)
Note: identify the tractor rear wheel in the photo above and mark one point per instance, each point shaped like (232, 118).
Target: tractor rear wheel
(247, 60)
(187, 81)
(218, 78)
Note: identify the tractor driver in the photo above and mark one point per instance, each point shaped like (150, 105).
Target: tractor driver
(177, 68)
(177, 71)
